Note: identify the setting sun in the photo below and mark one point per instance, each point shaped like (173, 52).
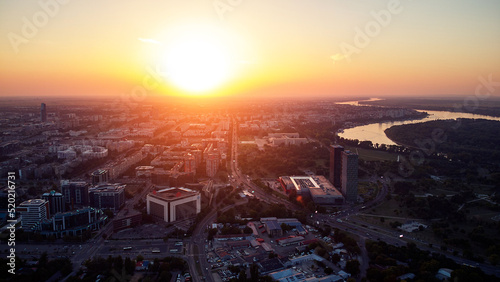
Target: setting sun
(197, 64)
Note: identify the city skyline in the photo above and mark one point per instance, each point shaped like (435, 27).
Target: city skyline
(247, 49)
(247, 184)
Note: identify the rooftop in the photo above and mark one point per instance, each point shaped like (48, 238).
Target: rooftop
(33, 202)
(52, 193)
(100, 171)
(173, 193)
(324, 188)
(107, 188)
(303, 182)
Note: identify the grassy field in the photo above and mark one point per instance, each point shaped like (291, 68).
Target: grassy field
(373, 155)
(387, 211)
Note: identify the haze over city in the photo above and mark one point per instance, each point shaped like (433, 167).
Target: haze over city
(247, 48)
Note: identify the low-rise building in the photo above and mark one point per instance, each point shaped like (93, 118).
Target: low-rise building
(173, 204)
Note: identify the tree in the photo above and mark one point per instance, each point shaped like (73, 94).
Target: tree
(254, 273)
(118, 263)
(242, 276)
(129, 265)
(326, 231)
(494, 259)
(43, 260)
(431, 266)
(352, 267)
(328, 271)
(285, 227)
(140, 258)
(335, 258)
(320, 251)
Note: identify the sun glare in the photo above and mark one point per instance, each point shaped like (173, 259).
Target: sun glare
(198, 64)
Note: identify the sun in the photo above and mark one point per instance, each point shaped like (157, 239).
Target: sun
(198, 63)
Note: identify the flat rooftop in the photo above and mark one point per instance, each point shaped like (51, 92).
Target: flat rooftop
(172, 194)
(324, 188)
(33, 202)
(107, 187)
(303, 182)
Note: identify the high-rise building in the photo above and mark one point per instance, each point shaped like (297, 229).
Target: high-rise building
(75, 193)
(350, 176)
(32, 212)
(336, 165)
(211, 157)
(212, 164)
(107, 196)
(56, 202)
(189, 163)
(43, 112)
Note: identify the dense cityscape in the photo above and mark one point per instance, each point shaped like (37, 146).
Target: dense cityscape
(186, 193)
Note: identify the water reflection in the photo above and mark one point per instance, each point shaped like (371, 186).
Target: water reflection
(375, 131)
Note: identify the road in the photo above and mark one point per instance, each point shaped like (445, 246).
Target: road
(238, 178)
(364, 230)
(198, 239)
(195, 247)
(91, 248)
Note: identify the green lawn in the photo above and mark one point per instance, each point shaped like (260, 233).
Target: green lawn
(373, 155)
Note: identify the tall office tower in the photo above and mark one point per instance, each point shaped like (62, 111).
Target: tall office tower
(32, 212)
(56, 202)
(350, 176)
(336, 165)
(43, 112)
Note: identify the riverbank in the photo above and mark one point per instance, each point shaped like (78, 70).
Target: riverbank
(359, 122)
(491, 107)
(466, 140)
(375, 131)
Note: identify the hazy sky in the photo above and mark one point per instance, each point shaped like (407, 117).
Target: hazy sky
(278, 47)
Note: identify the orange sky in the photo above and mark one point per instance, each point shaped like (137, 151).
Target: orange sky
(279, 48)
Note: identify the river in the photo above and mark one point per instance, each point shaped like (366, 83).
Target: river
(375, 131)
